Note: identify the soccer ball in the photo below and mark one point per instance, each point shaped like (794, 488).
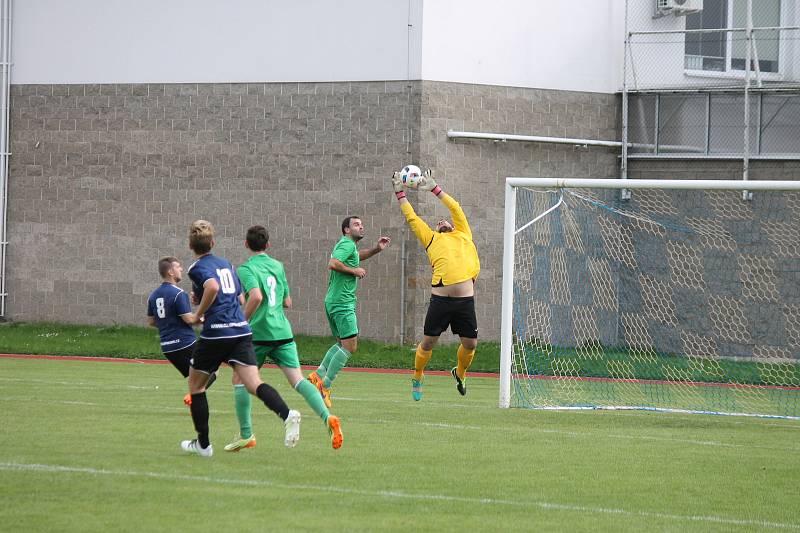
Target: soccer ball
(410, 175)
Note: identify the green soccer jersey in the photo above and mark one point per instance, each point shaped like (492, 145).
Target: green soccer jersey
(342, 287)
(268, 322)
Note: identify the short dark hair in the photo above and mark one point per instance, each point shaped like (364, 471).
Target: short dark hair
(165, 263)
(257, 238)
(346, 222)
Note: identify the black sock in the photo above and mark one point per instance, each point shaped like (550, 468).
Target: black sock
(199, 410)
(211, 379)
(273, 400)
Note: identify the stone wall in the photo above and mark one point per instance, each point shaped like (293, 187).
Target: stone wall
(105, 179)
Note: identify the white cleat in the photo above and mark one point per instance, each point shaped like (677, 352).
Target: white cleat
(192, 446)
(292, 427)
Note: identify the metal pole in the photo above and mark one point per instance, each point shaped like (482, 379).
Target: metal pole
(625, 194)
(747, 195)
(507, 305)
(403, 290)
(5, 125)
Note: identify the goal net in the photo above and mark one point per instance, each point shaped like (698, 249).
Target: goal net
(684, 297)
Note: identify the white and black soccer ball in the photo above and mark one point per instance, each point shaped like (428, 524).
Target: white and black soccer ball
(410, 175)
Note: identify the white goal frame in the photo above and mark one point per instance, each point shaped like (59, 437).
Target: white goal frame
(510, 230)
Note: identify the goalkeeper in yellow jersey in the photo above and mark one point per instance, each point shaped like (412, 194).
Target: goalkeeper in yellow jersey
(455, 263)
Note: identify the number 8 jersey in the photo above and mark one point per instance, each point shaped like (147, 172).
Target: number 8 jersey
(224, 318)
(166, 304)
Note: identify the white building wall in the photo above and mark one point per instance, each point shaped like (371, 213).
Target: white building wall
(574, 45)
(164, 41)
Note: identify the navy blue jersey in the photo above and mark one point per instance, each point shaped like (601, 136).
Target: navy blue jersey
(166, 304)
(224, 318)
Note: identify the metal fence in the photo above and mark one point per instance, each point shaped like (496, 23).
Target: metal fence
(711, 79)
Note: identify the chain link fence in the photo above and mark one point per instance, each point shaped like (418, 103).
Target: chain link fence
(712, 78)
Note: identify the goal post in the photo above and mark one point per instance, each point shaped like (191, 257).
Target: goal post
(684, 298)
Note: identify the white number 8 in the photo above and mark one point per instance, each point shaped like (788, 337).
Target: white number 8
(160, 311)
(226, 281)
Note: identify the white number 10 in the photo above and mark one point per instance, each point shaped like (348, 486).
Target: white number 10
(226, 281)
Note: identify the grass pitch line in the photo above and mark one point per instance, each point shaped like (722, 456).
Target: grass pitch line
(79, 384)
(392, 494)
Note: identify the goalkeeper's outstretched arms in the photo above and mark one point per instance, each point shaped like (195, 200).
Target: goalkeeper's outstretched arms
(423, 232)
(427, 183)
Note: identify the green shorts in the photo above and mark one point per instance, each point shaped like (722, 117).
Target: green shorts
(342, 321)
(280, 354)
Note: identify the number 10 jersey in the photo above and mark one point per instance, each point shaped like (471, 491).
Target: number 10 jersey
(224, 318)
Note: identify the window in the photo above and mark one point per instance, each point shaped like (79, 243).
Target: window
(712, 124)
(727, 51)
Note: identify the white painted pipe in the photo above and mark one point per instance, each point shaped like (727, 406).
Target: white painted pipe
(5, 128)
(530, 138)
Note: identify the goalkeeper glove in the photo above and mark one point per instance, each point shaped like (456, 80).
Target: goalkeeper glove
(427, 183)
(397, 185)
(397, 182)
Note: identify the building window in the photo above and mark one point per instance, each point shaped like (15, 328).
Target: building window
(727, 51)
(712, 124)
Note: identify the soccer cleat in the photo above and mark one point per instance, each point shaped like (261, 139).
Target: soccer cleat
(192, 446)
(335, 429)
(416, 390)
(187, 400)
(323, 391)
(461, 384)
(292, 429)
(239, 444)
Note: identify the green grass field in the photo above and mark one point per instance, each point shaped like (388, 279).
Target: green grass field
(94, 446)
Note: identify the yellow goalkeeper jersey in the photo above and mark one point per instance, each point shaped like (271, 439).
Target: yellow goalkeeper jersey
(453, 255)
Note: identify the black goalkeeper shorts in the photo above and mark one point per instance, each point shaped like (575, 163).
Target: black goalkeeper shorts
(456, 313)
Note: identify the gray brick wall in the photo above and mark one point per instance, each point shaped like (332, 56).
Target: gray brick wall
(105, 179)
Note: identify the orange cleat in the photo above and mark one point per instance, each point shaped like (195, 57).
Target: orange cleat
(324, 392)
(187, 400)
(335, 429)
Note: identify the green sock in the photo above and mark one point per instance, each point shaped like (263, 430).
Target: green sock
(242, 401)
(313, 398)
(338, 361)
(326, 361)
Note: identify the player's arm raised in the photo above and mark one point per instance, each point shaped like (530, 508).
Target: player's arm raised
(427, 183)
(338, 266)
(383, 242)
(423, 232)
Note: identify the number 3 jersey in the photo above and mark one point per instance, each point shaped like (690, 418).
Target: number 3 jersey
(166, 305)
(262, 272)
(224, 318)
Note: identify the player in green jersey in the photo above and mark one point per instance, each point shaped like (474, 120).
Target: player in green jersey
(267, 295)
(340, 301)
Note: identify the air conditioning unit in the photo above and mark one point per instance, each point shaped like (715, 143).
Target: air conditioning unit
(678, 7)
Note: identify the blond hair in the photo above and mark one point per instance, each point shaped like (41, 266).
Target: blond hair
(201, 236)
